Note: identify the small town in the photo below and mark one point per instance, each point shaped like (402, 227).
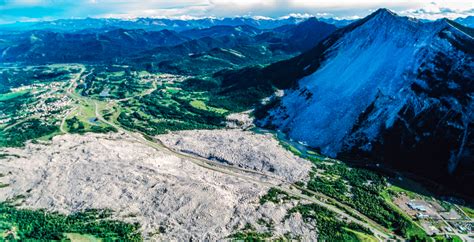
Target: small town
(435, 216)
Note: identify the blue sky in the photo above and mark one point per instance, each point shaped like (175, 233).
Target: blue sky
(32, 10)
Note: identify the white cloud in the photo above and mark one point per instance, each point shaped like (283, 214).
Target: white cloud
(223, 8)
(442, 9)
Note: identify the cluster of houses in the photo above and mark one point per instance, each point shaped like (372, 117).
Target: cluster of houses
(47, 103)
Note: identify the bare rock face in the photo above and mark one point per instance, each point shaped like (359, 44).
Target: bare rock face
(140, 184)
(387, 89)
(259, 152)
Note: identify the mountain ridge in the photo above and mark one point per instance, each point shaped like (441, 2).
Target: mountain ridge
(367, 76)
(122, 44)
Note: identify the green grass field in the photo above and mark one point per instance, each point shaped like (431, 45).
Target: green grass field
(203, 106)
(452, 238)
(11, 95)
(82, 237)
(468, 211)
(362, 236)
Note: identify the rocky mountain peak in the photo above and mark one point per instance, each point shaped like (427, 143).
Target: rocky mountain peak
(383, 88)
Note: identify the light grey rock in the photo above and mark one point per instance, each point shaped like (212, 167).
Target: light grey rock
(115, 171)
(246, 149)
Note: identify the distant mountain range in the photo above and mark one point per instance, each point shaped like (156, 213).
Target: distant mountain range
(46, 46)
(215, 47)
(467, 21)
(157, 24)
(386, 89)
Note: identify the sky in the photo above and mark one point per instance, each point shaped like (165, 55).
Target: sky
(34, 10)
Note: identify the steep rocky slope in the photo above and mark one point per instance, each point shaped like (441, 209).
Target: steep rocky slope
(386, 88)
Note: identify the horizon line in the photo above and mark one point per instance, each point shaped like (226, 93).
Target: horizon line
(255, 17)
